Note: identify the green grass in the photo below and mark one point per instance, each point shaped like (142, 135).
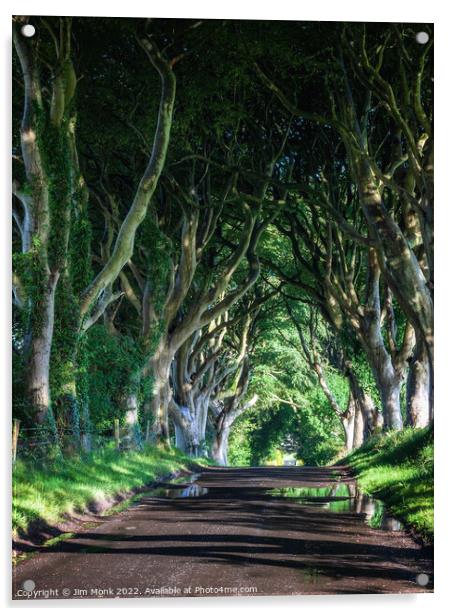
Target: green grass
(398, 468)
(50, 492)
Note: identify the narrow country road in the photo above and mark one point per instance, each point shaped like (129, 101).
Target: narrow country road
(226, 531)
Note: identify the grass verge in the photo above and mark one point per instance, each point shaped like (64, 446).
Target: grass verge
(398, 469)
(51, 492)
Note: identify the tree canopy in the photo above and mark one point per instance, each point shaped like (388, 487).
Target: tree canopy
(223, 233)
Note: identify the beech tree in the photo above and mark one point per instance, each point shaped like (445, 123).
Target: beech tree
(54, 182)
(360, 418)
(255, 249)
(347, 299)
(366, 77)
(211, 378)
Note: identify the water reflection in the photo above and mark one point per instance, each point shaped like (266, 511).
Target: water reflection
(342, 498)
(187, 491)
(337, 497)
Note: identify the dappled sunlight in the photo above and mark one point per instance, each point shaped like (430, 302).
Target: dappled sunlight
(72, 487)
(399, 469)
(222, 304)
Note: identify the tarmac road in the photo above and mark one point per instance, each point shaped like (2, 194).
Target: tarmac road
(225, 534)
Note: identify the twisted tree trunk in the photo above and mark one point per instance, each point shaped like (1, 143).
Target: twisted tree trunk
(41, 293)
(401, 268)
(189, 429)
(372, 419)
(47, 133)
(123, 248)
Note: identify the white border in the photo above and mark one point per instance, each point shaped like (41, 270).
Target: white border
(326, 10)
(332, 10)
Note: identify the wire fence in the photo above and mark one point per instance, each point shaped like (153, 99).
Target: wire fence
(40, 444)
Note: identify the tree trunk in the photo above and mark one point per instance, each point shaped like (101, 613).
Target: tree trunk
(359, 427)
(388, 382)
(220, 446)
(373, 419)
(70, 414)
(419, 389)
(182, 440)
(147, 418)
(132, 423)
(348, 425)
(160, 368)
(190, 426)
(348, 422)
(124, 244)
(38, 384)
(371, 416)
(86, 427)
(187, 437)
(398, 262)
(200, 412)
(390, 399)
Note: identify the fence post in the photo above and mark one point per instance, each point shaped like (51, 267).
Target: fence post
(16, 427)
(117, 433)
(148, 431)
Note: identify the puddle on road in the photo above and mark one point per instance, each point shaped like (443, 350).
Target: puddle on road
(184, 486)
(341, 498)
(191, 491)
(337, 498)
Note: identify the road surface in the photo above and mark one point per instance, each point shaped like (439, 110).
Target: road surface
(234, 531)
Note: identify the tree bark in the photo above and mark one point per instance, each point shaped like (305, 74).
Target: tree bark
(190, 421)
(348, 422)
(225, 417)
(160, 367)
(372, 418)
(38, 382)
(359, 427)
(186, 427)
(389, 368)
(399, 264)
(200, 314)
(45, 141)
(123, 248)
(42, 308)
(220, 446)
(86, 427)
(132, 419)
(70, 412)
(389, 385)
(419, 389)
